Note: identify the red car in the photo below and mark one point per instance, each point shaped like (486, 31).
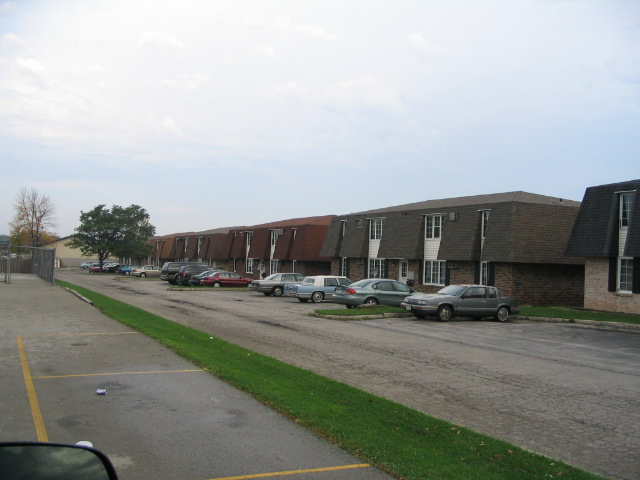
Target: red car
(225, 279)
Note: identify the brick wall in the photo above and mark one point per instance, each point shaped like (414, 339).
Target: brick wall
(596, 294)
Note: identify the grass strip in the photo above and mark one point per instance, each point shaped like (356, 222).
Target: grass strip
(404, 442)
(570, 313)
(356, 312)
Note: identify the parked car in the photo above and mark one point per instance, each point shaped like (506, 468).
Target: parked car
(146, 271)
(96, 269)
(475, 301)
(195, 280)
(315, 288)
(88, 264)
(186, 271)
(372, 291)
(169, 270)
(225, 279)
(112, 267)
(274, 284)
(126, 269)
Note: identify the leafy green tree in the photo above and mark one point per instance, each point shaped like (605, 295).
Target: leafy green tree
(119, 231)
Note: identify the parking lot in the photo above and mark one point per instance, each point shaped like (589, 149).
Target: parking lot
(571, 393)
(161, 418)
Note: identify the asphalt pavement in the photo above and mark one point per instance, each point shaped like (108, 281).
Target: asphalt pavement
(160, 416)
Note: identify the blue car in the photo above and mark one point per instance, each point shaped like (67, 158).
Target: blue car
(316, 288)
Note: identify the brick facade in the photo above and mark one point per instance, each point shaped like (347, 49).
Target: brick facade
(596, 294)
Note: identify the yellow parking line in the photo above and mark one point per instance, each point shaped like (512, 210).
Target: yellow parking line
(38, 422)
(117, 373)
(82, 333)
(295, 472)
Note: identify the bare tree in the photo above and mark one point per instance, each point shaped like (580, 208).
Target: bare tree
(34, 216)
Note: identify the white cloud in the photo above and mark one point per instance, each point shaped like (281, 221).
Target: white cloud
(418, 40)
(162, 41)
(193, 81)
(264, 51)
(10, 39)
(316, 31)
(366, 93)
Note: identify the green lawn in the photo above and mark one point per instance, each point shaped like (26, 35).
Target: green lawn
(403, 442)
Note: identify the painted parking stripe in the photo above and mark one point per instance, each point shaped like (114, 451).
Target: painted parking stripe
(38, 422)
(295, 472)
(119, 373)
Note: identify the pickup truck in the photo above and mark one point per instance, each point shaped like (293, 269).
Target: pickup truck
(315, 288)
(476, 301)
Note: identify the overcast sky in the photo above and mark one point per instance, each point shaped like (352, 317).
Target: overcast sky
(222, 113)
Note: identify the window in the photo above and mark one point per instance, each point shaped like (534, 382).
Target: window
(625, 275)
(376, 268)
(625, 208)
(434, 272)
(433, 226)
(484, 273)
(344, 266)
(248, 265)
(485, 222)
(274, 266)
(274, 237)
(293, 266)
(330, 282)
(375, 228)
(404, 269)
(249, 239)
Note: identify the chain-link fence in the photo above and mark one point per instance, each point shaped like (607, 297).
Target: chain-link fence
(38, 261)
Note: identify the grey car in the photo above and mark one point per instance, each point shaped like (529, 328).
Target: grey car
(475, 301)
(372, 291)
(274, 284)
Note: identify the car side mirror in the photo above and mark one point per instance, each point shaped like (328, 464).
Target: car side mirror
(43, 461)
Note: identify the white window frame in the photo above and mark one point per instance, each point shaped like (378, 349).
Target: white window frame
(485, 214)
(484, 273)
(274, 266)
(626, 204)
(433, 226)
(435, 272)
(625, 275)
(344, 261)
(375, 228)
(376, 263)
(248, 265)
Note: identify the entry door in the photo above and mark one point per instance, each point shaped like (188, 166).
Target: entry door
(403, 271)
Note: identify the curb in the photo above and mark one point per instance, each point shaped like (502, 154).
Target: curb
(76, 294)
(617, 326)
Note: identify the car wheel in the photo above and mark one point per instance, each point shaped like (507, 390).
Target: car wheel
(445, 313)
(502, 315)
(370, 302)
(304, 300)
(317, 297)
(216, 284)
(277, 291)
(126, 274)
(143, 274)
(349, 306)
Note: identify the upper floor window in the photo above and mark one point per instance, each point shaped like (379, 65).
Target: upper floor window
(249, 239)
(485, 222)
(375, 228)
(626, 200)
(433, 226)
(274, 237)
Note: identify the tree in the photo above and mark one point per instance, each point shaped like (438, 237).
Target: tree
(123, 232)
(35, 215)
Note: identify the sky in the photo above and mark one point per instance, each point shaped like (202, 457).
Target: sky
(219, 113)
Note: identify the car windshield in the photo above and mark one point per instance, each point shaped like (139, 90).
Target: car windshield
(454, 290)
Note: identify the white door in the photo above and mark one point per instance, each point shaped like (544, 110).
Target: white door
(403, 271)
